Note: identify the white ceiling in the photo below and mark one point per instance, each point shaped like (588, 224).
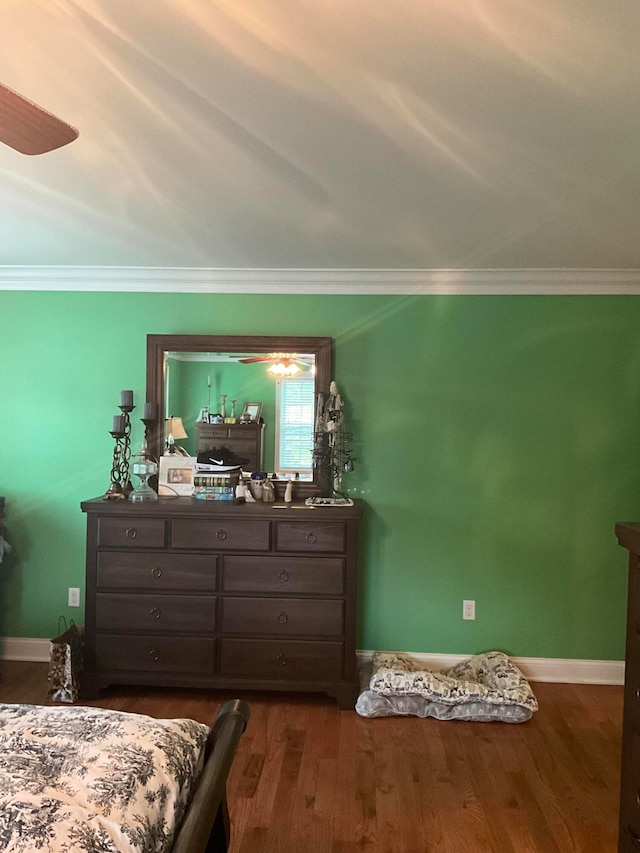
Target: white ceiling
(327, 133)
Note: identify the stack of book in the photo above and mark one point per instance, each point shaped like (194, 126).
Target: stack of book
(215, 487)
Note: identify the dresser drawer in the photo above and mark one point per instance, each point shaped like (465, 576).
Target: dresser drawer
(245, 431)
(283, 616)
(313, 575)
(241, 447)
(283, 659)
(187, 614)
(159, 572)
(220, 534)
(228, 431)
(212, 431)
(131, 653)
(310, 536)
(120, 532)
(245, 446)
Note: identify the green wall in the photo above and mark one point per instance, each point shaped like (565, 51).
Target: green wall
(497, 441)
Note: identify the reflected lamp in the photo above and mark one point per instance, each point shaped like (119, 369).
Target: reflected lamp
(174, 429)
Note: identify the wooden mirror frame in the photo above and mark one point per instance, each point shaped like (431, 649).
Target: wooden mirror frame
(159, 345)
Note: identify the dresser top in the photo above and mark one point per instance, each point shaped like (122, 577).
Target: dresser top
(170, 506)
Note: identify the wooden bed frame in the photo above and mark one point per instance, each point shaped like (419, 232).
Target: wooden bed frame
(205, 827)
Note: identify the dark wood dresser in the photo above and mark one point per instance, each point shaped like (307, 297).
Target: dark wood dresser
(629, 834)
(245, 440)
(188, 593)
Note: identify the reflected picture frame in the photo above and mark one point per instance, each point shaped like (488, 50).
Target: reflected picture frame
(253, 411)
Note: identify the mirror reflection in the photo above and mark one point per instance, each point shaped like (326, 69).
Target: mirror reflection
(261, 406)
(190, 377)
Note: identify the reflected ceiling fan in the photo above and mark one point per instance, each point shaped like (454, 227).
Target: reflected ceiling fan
(28, 128)
(283, 364)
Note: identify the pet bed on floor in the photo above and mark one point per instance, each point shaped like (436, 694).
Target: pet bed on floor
(483, 688)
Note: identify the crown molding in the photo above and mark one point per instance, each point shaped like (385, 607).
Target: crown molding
(503, 282)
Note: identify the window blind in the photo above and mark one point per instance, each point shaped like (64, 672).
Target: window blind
(297, 412)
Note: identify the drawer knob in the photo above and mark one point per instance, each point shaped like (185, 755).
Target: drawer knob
(156, 571)
(311, 538)
(155, 613)
(284, 576)
(131, 533)
(221, 535)
(282, 617)
(281, 660)
(153, 654)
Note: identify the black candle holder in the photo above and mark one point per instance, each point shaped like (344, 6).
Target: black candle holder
(115, 490)
(120, 486)
(125, 455)
(149, 424)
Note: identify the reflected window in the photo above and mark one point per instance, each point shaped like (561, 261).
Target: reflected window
(295, 416)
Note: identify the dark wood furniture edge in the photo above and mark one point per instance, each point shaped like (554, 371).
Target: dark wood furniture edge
(206, 827)
(628, 533)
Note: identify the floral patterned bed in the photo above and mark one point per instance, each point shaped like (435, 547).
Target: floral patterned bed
(88, 779)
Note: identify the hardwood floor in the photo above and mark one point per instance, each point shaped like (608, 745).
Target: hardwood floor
(310, 778)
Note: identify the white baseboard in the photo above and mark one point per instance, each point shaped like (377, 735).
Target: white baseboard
(562, 670)
(24, 648)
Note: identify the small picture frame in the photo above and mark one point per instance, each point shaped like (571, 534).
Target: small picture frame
(253, 411)
(175, 476)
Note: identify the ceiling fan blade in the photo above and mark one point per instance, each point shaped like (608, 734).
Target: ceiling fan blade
(255, 359)
(29, 129)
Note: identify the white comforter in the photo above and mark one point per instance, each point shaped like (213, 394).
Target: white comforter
(88, 779)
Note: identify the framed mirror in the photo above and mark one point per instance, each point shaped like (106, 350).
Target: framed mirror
(201, 378)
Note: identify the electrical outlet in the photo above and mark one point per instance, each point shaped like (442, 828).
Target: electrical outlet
(468, 609)
(74, 596)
